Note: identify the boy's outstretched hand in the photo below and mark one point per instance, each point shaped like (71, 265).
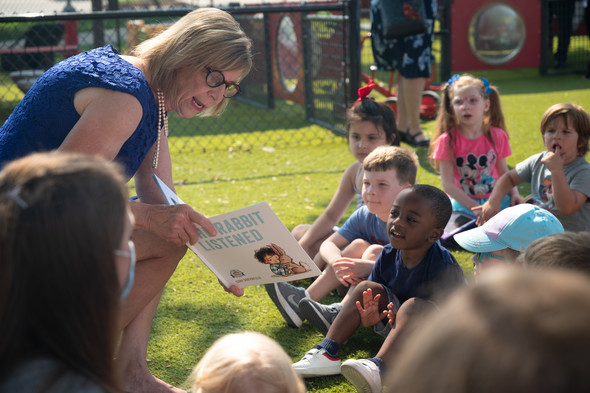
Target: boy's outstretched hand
(369, 310)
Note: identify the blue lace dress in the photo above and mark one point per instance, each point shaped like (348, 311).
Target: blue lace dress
(46, 114)
(411, 56)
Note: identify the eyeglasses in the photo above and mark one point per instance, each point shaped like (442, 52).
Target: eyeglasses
(216, 78)
(131, 275)
(480, 255)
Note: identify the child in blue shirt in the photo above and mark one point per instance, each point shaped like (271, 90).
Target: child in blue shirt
(413, 269)
(350, 253)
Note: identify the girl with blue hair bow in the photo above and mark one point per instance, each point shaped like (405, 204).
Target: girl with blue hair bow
(470, 145)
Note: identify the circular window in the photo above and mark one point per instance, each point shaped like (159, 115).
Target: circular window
(287, 52)
(496, 33)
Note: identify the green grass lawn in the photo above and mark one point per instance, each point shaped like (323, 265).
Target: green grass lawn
(298, 182)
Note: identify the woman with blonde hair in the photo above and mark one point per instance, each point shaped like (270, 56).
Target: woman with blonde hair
(104, 103)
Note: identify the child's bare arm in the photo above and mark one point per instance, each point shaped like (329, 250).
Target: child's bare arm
(331, 248)
(489, 209)
(342, 198)
(447, 178)
(566, 200)
(369, 310)
(502, 168)
(351, 271)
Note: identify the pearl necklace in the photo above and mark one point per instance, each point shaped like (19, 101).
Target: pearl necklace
(162, 124)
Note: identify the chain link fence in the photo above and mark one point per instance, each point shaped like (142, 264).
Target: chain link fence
(297, 92)
(309, 60)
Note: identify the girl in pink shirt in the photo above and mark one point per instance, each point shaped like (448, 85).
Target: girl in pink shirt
(470, 145)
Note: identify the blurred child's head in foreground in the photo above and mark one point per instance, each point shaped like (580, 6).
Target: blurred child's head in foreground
(246, 362)
(514, 331)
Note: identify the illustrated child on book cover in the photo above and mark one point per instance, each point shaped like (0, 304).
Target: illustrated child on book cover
(280, 263)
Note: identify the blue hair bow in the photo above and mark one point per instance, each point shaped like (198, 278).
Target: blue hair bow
(486, 83)
(453, 79)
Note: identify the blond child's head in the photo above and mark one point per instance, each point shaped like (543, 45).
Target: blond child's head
(246, 362)
(387, 171)
(404, 161)
(573, 117)
(515, 331)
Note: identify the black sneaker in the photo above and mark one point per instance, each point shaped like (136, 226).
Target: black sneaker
(319, 315)
(286, 297)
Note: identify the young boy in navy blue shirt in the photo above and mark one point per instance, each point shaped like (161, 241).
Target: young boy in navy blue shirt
(414, 269)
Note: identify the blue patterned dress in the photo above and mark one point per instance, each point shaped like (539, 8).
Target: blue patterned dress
(46, 114)
(411, 56)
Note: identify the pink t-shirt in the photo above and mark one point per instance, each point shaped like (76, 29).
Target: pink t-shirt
(475, 160)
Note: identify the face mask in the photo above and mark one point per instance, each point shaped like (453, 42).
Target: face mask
(130, 276)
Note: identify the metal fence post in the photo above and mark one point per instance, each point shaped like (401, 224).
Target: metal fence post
(354, 54)
(445, 39)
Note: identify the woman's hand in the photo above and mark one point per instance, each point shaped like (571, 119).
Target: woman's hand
(236, 291)
(176, 223)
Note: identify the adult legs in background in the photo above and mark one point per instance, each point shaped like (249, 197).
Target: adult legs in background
(156, 262)
(409, 99)
(564, 11)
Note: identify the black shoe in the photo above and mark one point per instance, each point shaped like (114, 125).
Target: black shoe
(410, 139)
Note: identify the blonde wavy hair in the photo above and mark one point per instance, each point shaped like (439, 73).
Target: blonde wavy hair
(246, 362)
(205, 37)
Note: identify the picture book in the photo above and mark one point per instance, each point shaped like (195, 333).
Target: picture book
(252, 246)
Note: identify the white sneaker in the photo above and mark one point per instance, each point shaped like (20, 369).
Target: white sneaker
(317, 363)
(363, 374)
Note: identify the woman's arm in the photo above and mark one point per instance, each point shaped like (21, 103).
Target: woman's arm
(172, 223)
(107, 119)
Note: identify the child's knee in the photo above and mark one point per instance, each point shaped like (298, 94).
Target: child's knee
(372, 252)
(356, 248)
(376, 289)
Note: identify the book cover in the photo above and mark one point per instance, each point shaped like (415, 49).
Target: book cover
(252, 246)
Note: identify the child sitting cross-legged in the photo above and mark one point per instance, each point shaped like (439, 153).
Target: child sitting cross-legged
(351, 252)
(414, 269)
(559, 176)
